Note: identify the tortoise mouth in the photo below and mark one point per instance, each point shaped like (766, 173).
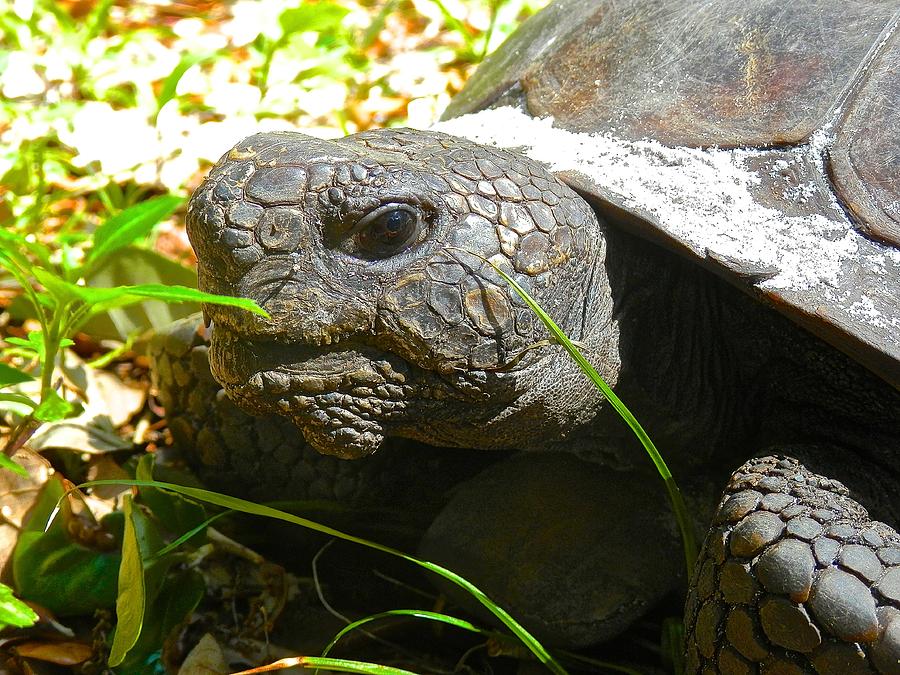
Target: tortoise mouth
(344, 398)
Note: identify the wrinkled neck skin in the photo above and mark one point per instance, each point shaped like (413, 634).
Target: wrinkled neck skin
(689, 349)
(715, 377)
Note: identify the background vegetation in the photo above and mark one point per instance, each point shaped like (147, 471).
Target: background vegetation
(106, 103)
(110, 113)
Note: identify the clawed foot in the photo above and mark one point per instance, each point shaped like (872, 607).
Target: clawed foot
(794, 577)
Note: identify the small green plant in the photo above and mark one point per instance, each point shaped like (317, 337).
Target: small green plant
(14, 612)
(51, 567)
(54, 282)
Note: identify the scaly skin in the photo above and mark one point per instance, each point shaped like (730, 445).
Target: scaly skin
(793, 573)
(225, 445)
(379, 344)
(381, 326)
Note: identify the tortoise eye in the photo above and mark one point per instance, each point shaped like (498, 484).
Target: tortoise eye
(389, 229)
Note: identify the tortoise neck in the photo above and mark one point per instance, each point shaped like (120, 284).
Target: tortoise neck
(711, 371)
(690, 346)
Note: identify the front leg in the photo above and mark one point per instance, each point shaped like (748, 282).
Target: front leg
(794, 577)
(574, 550)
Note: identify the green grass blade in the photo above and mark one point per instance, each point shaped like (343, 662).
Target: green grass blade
(678, 506)
(335, 665)
(252, 508)
(127, 226)
(165, 550)
(415, 613)
(672, 643)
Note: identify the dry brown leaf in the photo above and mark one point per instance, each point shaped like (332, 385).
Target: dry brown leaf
(17, 496)
(104, 467)
(205, 659)
(68, 653)
(109, 404)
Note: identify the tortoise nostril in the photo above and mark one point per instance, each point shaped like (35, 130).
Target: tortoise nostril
(280, 228)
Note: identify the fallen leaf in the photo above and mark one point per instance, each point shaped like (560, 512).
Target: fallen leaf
(17, 495)
(60, 653)
(205, 659)
(110, 404)
(104, 467)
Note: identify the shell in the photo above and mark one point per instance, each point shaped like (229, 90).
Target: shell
(758, 137)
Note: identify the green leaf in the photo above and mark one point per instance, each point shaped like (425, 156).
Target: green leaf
(170, 84)
(58, 288)
(34, 342)
(131, 266)
(97, 300)
(14, 612)
(317, 17)
(65, 577)
(177, 598)
(24, 343)
(8, 463)
(51, 570)
(10, 376)
(21, 399)
(126, 227)
(103, 300)
(53, 407)
(147, 619)
(130, 597)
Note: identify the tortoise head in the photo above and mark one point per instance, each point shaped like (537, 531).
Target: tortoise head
(370, 254)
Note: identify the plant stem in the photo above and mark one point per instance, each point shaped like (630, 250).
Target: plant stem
(51, 349)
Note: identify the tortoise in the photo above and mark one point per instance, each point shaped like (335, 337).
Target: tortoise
(704, 195)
